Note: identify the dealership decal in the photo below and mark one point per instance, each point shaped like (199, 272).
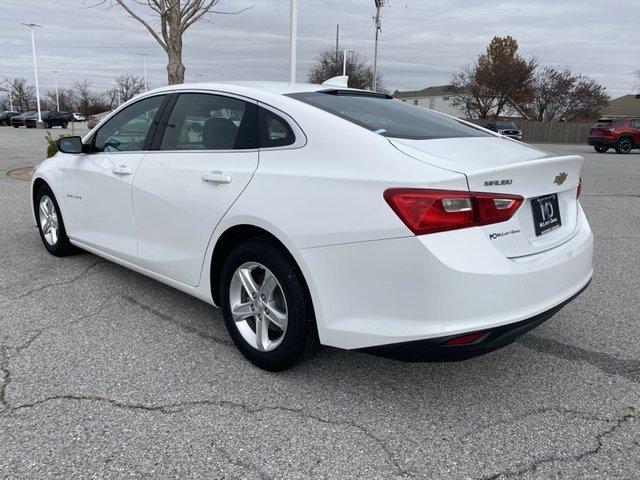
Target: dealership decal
(493, 236)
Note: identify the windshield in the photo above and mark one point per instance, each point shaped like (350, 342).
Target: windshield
(386, 116)
(505, 124)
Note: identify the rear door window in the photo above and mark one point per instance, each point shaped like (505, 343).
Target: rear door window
(201, 121)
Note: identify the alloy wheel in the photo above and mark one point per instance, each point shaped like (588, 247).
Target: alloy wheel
(625, 145)
(48, 220)
(258, 306)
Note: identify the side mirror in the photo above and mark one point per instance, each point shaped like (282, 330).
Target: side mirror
(70, 145)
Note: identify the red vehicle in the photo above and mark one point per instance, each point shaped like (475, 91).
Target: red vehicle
(621, 134)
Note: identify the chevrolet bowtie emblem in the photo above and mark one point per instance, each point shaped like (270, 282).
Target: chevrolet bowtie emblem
(560, 178)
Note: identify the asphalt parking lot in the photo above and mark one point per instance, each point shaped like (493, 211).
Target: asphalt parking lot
(108, 374)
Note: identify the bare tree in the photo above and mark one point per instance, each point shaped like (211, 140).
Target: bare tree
(127, 87)
(561, 94)
(167, 21)
(84, 97)
(471, 96)
(327, 66)
(65, 95)
(24, 95)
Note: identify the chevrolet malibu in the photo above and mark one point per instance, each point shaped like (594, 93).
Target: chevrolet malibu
(317, 215)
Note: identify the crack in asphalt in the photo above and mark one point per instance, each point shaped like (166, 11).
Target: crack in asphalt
(628, 369)
(5, 378)
(85, 273)
(618, 424)
(178, 407)
(540, 411)
(168, 318)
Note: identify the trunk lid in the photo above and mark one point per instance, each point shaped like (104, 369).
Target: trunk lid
(499, 165)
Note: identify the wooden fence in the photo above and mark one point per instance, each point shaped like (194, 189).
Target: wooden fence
(546, 132)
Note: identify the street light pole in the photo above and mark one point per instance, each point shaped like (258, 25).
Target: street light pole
(144, 57)
(10, 94)
(293, 41)
(55, 79)
(344, 62)
(31, 26)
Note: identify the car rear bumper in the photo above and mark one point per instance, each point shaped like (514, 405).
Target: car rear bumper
(411, 289)
(600, 142)
(437, 349)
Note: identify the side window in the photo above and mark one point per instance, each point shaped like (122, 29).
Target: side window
(635, 124)
(202, 121)
(274, 131)
(126, 131)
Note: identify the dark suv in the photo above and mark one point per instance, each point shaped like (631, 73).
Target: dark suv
(622, 134)
(506, 128)
(50, 118)
(6, 116)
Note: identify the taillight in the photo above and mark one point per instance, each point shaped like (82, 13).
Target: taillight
(579, 188)
(431, 211)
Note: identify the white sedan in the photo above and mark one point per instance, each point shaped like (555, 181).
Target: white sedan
(316, 215)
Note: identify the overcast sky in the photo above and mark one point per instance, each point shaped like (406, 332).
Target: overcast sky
(422, 44)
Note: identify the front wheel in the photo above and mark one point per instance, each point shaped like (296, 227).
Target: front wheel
(624, 145)
(4, 123)
(50, 224)
(64, 125)
(601, 149)
(266, 306)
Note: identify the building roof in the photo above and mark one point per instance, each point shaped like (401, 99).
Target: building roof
(437, 91)
(627, 106)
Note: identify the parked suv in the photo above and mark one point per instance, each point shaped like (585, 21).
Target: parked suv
(18, 120)
(622, 134)
(6, 116)
(506, 128)
(50, 118)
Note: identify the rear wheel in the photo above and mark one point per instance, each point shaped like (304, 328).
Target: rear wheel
(64, 125)
(601, 149)
(50, 224)
(4, 123)
(266, 306)
(624, 145)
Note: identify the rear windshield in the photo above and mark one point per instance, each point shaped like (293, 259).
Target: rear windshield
(386, 116)
(608, 122)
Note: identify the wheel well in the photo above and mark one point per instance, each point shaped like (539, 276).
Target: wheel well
(36, 186)
(232, 237)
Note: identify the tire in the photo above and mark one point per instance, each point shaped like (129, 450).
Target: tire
(16, 126)
(59, 244)
(64, 125)
(283, 347)
(47, 125)
(624, 145)
(4, 123)
(601, 149)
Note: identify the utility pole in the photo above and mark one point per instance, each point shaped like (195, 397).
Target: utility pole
(31, 26)
(144, 58)
(378, 27)
(293, 41)
(55, 79)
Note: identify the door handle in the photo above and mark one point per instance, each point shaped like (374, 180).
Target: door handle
(217, 177)
(122, 170)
